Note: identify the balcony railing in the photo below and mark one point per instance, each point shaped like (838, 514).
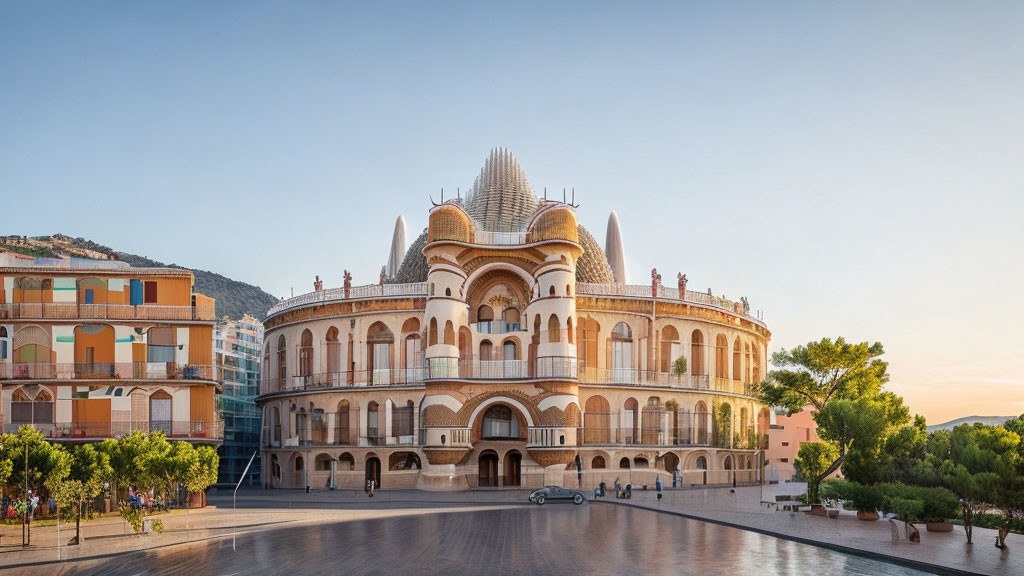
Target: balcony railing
(105, 371)
(647, 291)
(337, 294)
(177, 429)
(75, 311)
(497, 327)
(633, 377)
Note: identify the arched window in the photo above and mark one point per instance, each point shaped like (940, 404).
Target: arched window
(631, 421)
(641, 462)
(3, 342)
(500, 423)
(747, 373)
(509, 350)
(568, 329)
(449, 333)
(413, 354)
(160, 412)
(697, 354)
(553, 329)
(431, 288)
(551, 290)
(597, 463)
(484, 313)
(700, 425)
(670, 349)
(702, 463)
(486, 351)
(346, 462)
(756, 369)
(322, 463)
(342, 428)
(723, 429)
(622, 352)
(21, 407)
(728, 462)
(721, 357)
(597, 421)
(448, 292)
(282, 358)
(299, 464)
(333, 346)
(624, 463)
(737, 371)
(511, 318)
(306, 353)
(373, 433)
(433, 332)
(379, 340)
(568, 291)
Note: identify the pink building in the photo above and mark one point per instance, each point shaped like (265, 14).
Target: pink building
(784, 439)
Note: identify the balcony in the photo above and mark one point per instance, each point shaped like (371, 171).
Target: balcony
(105, 371)
(653, 379)
(196, 430)
(75, 311)
(355, 292)
(497, 327)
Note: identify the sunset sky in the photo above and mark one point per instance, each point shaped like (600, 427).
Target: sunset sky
(854, 170)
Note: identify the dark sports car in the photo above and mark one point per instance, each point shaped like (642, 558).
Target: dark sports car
(557, 493)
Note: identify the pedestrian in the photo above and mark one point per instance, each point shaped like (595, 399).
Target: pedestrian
(369, 487)
(618, 488)
(657, 486)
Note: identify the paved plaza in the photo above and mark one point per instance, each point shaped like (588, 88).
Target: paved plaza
(287, 517)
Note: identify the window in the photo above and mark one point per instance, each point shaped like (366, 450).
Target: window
(786, 460)
(160, 344)
(785, 443)
(500, 423)
(447, 291)
(150, 293)
(551, 290)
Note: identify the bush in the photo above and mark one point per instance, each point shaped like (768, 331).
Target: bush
(132, 516)
(940, 504)
(866, 498)
(158, 526)
(837, 489)
(679, 366)
(906, 509)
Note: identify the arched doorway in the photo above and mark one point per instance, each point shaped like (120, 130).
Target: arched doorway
(513, 468)
(671, 462)
(488, 469)
(597, 463)
(624, 463)
(372, 471)
(500, 423)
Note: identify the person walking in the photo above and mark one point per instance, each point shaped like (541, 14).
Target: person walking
(657, 486)
(369, 487)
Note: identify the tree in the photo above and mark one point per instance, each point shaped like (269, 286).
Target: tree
(89, 468)
(843, 383)
(202, 470)
(811, 461)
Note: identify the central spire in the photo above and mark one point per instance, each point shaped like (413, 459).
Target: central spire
(501, 199)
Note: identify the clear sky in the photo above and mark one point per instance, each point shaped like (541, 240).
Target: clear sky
(854, 170)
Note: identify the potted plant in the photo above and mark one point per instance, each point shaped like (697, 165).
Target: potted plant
(867, 500)
(939, 505)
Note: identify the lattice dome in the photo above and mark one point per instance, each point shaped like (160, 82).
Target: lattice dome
(592, 267)
(501, 199)
(414, 265)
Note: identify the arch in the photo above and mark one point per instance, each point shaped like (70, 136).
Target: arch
(400, 461)
(511, 317)
(374, 430)
(412, 354)
(641, 462)
(568, 329)
(671, 462)
(486, 350)
(551, 290)
(756, 368)
(346, 462)
(487, 473)
(160, 412)
(94, 351)
(727, 462)
(499, 423)
(449, 333)
(472, 409)
(275, 469)
(723, 429)
(624, 463)
(597, 463)
(342, 425)
(670, 348)
(764, 423)
(306, 353)
(275, 426)
(510, 349)
(513, 468)
(282, 358)
(3, 342)
(484, 313)
(322, 463)
(631, 421)
(748, 372)
(553, 328)
(622, 352)
(700, 425)
(721, 357)
(697, 354)
(448, 292)
(702, 462)
(737, 371)
(433, 332)
(373, 471)
(597, 420)
(333, 345)
(586, 345)
(300, 464)
(745, 432)
(411, 325)
(379, 344)
(92, 290)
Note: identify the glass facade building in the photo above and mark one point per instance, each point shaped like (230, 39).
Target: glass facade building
(237, 349)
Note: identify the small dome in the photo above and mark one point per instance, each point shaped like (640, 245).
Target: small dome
(450, 222)
(501, 199)
(554, 222)
(592, 267)
(414, 266)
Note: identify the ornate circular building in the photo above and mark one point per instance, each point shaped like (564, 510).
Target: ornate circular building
(498, 351)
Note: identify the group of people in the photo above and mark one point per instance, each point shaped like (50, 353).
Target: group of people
(140, 499)
(33, 503)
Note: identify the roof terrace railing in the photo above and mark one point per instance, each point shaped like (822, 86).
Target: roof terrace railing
(75, 311)
(646, 291)
(355, 292)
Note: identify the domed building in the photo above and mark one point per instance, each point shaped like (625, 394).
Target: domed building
(500, 353)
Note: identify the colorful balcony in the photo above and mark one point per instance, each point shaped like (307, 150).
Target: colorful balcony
(105, 371)
(75, 311)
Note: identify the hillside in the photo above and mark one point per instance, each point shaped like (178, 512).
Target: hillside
(234, 298)
(988, 420)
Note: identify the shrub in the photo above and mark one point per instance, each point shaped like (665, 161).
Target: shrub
(837, 489)
(940, 504)
(679, 366)
(906, 509)
(158, 526)
(866, 498)
(132, 516)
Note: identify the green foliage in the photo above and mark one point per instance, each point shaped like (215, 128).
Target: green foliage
(679, 366)
(132, 516)
(47, 463)
(158, 526)
(867, 498)
(836, 489)
(813, 459)
(905, 509)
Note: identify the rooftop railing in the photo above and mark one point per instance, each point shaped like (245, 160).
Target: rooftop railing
(650, 378)
(646, 291)
(75, 311)
(177, 429)
(355, 292)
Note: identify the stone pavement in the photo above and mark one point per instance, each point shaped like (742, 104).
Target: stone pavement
(937, 552)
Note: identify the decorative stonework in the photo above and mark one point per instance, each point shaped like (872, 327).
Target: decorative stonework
(439, 415)
(548, 457)
(445, 455)
(462, 418)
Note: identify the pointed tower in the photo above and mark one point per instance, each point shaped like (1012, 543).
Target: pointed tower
(397, 249)
(501, 199)
(613, 249)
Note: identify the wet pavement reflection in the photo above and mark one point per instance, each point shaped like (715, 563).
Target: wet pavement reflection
(553, 539)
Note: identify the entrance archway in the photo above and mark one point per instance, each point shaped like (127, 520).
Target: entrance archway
(671, 462)
(373, 471)
(513, 468)
(488, 469)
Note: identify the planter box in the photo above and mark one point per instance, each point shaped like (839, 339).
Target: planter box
(939, 526)
(863, 515)
(818, 510)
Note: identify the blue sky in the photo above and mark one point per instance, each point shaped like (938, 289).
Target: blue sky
(852, 169)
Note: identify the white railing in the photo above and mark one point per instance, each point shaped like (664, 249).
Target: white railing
(644, 291)
(355, 292)
(498, 238)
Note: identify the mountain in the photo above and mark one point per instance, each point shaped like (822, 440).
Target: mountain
(234, 298)
(988, 420)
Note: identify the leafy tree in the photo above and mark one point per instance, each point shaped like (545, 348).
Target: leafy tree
(843, 383)
(202, 471)
(811, 461)
(44, 459)
(89, 468)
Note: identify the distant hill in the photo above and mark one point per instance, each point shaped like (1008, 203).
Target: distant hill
(234, 298)
(988, 420)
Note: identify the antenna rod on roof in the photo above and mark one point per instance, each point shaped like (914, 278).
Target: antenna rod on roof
(563, 195)
(442, 195)
(545, 192)
(458, 192)
(574, 195)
